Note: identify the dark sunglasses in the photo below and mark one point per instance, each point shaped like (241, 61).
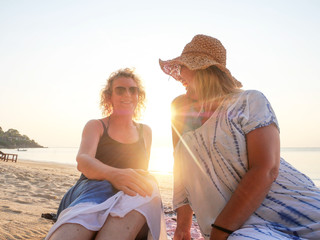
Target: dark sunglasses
(122, 90)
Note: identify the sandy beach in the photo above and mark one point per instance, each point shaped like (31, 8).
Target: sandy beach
(30, 188)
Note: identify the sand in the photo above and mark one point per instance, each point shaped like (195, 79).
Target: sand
(30, 188)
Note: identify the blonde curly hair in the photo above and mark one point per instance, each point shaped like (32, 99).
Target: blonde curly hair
(106, 92)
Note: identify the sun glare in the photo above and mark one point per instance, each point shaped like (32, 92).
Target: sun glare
(159, 119)
(161, 160)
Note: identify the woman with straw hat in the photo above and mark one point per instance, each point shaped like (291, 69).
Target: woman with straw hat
(228, 169)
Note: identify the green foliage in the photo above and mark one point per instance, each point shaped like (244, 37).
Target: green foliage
(13, 139)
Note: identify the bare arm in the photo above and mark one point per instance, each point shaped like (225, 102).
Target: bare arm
(179, 111)
(127, 180)
(176, 125)
(184, 221)
(184, 213)
(263, 147)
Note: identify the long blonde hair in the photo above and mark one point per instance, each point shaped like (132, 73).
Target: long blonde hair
(212, 85)
(106, 92)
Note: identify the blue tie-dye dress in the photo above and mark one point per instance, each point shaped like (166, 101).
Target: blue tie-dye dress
(211, 160)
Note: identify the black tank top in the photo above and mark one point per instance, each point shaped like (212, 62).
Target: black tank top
(121, 155)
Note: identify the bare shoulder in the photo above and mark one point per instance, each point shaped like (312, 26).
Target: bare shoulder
(178, 101)
(93, 123)
(147, 131)
(93, 126)
(181, 102)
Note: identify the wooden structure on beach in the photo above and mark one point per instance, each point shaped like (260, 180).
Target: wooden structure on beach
(8, 156)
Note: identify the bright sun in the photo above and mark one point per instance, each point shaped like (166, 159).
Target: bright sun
(158, 118)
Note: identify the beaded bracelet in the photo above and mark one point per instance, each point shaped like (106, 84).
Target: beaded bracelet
(221, 229)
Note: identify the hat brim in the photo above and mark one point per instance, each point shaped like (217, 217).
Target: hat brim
(192, 62)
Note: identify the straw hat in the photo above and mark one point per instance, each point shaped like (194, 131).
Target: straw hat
(202, 52)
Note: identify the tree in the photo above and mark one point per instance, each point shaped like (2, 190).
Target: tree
(13, 139)
(12, 132)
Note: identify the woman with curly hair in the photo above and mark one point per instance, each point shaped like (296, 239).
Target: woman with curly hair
(115, 195)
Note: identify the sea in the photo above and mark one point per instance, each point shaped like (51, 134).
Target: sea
(306, 160)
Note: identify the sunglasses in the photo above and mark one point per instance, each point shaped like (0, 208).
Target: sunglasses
(122, 90)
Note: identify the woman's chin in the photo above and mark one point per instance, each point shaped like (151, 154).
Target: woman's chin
(124, 112)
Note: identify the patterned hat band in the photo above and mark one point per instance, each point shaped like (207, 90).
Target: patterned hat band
(197, 53)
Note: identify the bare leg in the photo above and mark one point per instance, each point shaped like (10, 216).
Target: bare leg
(126, 228)
(72, 231)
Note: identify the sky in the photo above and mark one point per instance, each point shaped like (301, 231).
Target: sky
(55, 57)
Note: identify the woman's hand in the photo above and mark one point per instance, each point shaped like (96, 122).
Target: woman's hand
(184, 221)
(182, 234)
(132, 181)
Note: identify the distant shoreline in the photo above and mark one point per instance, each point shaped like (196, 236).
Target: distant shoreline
(300, 148)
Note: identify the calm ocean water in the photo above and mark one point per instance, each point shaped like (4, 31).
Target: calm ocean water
(306, 160)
